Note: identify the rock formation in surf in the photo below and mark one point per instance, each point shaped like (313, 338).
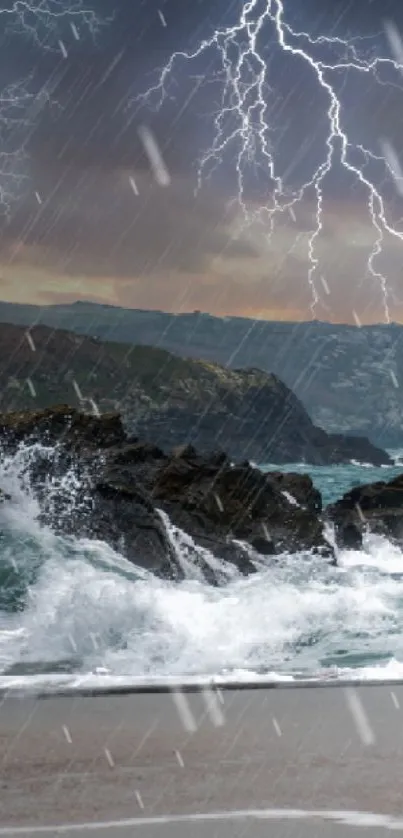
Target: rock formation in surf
(374, 507)
(92, 480)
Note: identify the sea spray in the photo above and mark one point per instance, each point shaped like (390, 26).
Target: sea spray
(78, 604)
(197, 562)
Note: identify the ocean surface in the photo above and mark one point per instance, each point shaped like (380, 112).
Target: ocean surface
(75, 611)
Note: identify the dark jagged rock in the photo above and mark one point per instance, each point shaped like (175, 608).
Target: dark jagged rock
(125, 486)
(124, 516)
(62, 424)
(376, 507)
(299, 488)
(349, 535)
(239, 501)
(263, 546)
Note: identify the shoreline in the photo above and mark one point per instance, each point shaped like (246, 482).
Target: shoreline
(300, 823)
(77, 686)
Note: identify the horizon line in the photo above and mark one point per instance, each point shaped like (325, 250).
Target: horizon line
(197, 312)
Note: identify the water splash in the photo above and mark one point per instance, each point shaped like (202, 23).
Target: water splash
(80, 602)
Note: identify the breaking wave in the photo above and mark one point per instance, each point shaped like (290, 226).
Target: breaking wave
(73, 609)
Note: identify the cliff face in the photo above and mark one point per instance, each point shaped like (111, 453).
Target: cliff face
(347, 378)
(169, 400)
(249, 414)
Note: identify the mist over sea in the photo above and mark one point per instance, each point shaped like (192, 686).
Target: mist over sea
(73, 609)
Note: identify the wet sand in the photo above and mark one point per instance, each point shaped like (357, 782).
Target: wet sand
(230, 826)
(85, 759)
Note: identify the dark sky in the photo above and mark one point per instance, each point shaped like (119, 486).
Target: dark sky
(86, 214)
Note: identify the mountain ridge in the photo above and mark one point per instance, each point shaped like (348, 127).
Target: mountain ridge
(167, 399)
(348, 378)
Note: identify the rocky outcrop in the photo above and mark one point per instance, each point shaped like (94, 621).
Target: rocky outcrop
(171, 401)
(237, 502)
(118, 489)
(77, 431)
(375, 507)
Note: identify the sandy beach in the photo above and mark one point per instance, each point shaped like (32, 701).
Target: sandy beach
(107, 758)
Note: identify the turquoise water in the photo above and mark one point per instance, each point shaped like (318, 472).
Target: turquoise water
(334, 481)
(80, 608)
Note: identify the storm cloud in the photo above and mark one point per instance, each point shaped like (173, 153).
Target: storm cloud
(89, 219)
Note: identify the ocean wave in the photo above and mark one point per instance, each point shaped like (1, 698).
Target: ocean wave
(76, 611)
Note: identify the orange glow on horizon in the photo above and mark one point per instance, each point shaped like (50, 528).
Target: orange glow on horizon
(24, 283)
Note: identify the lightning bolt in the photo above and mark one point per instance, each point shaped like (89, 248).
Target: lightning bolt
(16, 100)
(243, 131)
(45, 22)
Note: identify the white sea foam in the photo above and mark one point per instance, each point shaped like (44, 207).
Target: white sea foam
(110, 621)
